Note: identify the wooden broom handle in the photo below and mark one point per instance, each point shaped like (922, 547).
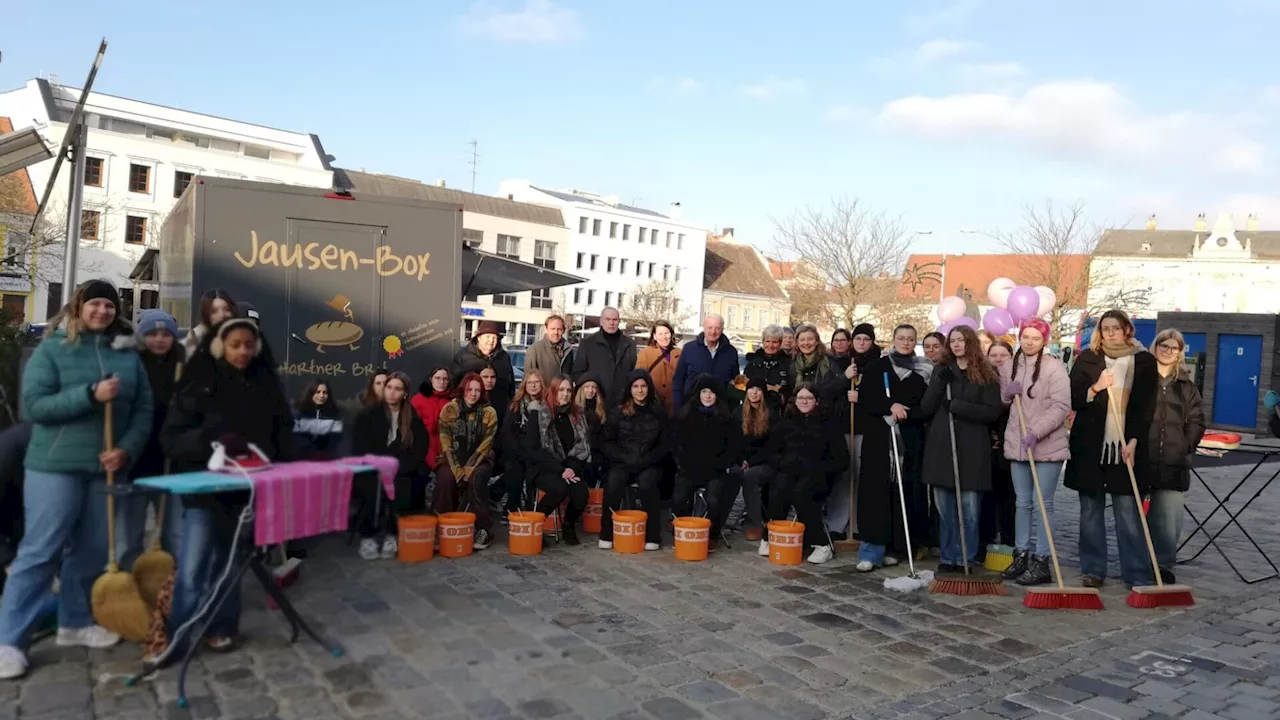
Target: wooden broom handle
(1113, 415)
(1035, 480)
(853, 454)
(109, 433)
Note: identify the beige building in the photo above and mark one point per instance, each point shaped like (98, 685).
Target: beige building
(738, 286)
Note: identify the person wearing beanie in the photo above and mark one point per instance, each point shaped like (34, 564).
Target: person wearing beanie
(87, 362)
(862, 349)
(247, 310)
(755, 419)
(707, 445)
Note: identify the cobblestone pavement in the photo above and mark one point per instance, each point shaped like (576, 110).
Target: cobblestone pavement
(584, 633)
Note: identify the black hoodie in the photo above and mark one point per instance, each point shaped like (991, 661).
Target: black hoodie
(641, 439)
(163, 373)
(805, 445)
(706, 439)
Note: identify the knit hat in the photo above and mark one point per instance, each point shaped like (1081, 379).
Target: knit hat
(864, 329)
(1038, 324)
(245, 310)
(152, 320)
(100, 290)
(757, 382)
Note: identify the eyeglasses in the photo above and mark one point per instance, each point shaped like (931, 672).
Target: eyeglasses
(1169, 348)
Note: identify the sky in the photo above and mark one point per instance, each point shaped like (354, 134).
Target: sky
(949, 114)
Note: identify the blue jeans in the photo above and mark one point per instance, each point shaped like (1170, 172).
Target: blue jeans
(873, 554)
(1165, 518)
(949, 524)
(66, 519)
(1026, 513)
(1135, 566)
(206, 549)
(131, 526)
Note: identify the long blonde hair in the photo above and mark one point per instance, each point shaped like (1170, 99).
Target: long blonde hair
(755, 417)
(580, 400)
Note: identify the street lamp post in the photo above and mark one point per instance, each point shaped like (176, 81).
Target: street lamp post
(946, 236)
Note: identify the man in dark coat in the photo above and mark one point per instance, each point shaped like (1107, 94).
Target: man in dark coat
(710, 353)
(485, 351)
(609, 354)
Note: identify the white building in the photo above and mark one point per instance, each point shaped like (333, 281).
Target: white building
(535, 234)
(619, 249)
(141, 157)
(1218, 269)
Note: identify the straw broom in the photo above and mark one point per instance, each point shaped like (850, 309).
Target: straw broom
(152, 568)
(117, 604)
(1061, 597)
(849, 544)
(1147, 596)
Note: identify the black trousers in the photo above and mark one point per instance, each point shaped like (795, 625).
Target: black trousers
(805, 493)
(615, 488)
(722, 489)
(411, 499)
(995, 525)
(517, 481)
(555, 489)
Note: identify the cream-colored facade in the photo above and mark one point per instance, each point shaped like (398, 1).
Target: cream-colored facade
(745, 316)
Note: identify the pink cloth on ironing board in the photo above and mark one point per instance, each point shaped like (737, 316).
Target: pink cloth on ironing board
(387, 469)
(301, 499)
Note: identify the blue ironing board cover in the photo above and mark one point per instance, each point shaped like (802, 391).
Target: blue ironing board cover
(205, 482)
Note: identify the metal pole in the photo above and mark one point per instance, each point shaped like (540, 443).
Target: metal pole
(75, 205)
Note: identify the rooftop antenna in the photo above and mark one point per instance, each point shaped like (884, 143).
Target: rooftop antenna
(474, 162)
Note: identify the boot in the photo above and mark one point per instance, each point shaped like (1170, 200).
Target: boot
(1037, 572)
(1018, 567)
(570, 535)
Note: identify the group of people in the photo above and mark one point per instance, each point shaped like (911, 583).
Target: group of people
(804, 427)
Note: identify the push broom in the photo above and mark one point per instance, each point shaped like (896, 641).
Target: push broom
(912, 581)
(1061, 597)
(849, 544)
(1147, 596)
(969, 584)
(117, 604)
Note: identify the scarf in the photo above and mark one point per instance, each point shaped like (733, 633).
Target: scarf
(468, 430)
(906, 363)
(581, 449)
(1119, 360)
(812, 368)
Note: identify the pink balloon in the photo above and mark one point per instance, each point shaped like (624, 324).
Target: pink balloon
(1048, 300)
(1023, 303)
(951, 308)
(998, 321)
(945, 328)
(998, 291)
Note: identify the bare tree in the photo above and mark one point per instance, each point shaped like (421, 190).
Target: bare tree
(1058, 248)
(47, 246)
(849, 252)
(655, 300)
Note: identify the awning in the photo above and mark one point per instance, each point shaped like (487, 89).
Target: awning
(487, 274)
(145, 269)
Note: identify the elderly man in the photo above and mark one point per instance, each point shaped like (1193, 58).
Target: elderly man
(709, 353)
(551, 355)
(609, 355)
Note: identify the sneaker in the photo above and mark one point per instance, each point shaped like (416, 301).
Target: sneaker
(369, 549)
(91, 636)
(713, 544)
(483, 540)
(13, 664)
(890, 561)
(604, 544)
(864, 566)
(390, 548)
(1037, 572)
(1019, 565)
(764, 549)
(651, 546)
(821, 554)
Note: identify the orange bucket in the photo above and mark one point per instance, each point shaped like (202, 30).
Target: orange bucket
(628, 531)
(457, 534)
(524, 536)
(692, 536)
(786, 542)
(417, 538)
(594, 512)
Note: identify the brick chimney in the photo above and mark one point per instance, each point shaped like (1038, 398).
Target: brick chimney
(728, 232)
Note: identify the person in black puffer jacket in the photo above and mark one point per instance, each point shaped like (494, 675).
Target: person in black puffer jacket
(485, 351)
(590, 402)
(317, 422)
(518, 422)
(756, 420)
(807, 450)
(850, 364)
(558, 452)
(707, 445)
(392, 428)
(771, 367)
(636, 440)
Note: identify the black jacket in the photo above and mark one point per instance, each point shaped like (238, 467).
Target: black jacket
(1085, 472)
(829, 386)
(755, 448)
(544, 448)
(973, 408)
(808, 445)
(774, 371)
(1176, 428)
(611, 370)
(470, 360)
(706, 439)
(512, 432)
(639, 440)
(369, 437)
(163, 373)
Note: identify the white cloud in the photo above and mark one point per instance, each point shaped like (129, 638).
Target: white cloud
(1079, 119)
(538, 22)
(943, 49)
(676, 86)
(773, 86)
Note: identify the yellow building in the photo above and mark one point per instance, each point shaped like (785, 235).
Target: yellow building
(737, 285)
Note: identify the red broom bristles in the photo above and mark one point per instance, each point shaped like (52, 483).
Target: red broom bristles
(961, 586)
(1062, 599)
(1149, 597)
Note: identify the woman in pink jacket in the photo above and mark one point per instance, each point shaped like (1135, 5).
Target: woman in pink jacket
(1041, 381)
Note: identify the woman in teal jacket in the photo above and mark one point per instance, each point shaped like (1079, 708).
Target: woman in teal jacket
(88, 358)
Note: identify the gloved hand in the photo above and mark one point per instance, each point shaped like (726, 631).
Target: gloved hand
(1029, 442)
(945, 373)
(1012, 390)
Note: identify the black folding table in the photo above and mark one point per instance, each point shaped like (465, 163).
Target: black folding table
(1265, 450)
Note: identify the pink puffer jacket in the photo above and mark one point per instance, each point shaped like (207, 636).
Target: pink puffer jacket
(1046, 413)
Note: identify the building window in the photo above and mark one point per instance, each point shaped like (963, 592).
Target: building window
(747, 317)
(595, 227)
(541, 299)
(670, 237)
(582, 260)
(622, 300)
(675, 306)
(577, 296)
(666, 272)
(777, 317)
(180, 182)
(509, 247)
(680, 241)
(140, 179)
(528, 333)
(90, 225)
(609, 265)
(254, 151)
(53, 300)
(639, 268)
(508, 299)
(594, 259)
(642, 232)
(608, 297)
(93, 172)
(653, 236)
(677, 274)
(472, 238)
(622, 266)
(626, 232)
(544, 254)
(651, 266)
(591, 297)
(731, 319)
(582, 225)
(613, 230)
(135, 230)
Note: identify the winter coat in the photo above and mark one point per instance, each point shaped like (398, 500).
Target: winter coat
(541, 357)
(318, 429)
(639, 440)
(1085, 472)
(428, 408)
(861, 418)
(163, 374)
(706, 439)
(662, 368)
(839, 399)
(774, 371)
(611, 371)
(13, 449)
(1046, 413)
(973, 408)
(830, 386)
(57, 398)
(696, 359)
(755, 448)
(369, 437)
(1176, 429)
(546, 449)
(467, 435)
(470, 360)
(808, 445)
(194, 339)
(512, 429)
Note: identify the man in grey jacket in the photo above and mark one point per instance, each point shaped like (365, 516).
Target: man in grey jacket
(551, 355)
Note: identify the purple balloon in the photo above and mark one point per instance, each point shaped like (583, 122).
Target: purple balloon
(998, 321)
(968, 322)
(1023, 303)
(945, 328)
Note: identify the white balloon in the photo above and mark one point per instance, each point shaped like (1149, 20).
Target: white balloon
(1048, 300)
(998, 291)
